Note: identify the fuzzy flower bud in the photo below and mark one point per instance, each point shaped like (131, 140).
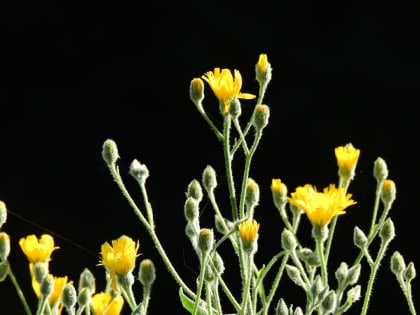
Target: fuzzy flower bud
(380, 169)
(235, 109)
(281, 308)
(69, 296)
(39, 271)
(87, 280)
(209, 178)
(4, 245)
(252, 194)
(387, 233)
(309, 256)
(329, 302)
(397, 263)
(47, 285)
(194, 190)
(84, 297)
(263, 70)
(261, 116)
(197, 92)
(409, 272)
(294, 275)
(359, 238)
(389, 192)
(288, 240)
(110, 152)
(147, 272)
(3, 213)
(139, 171)
(342, 272)
(279, 192)
(205, 240)
(298, 311)
(353, 274)
(354, 293)
(191, 209)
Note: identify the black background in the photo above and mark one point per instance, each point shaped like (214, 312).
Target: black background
(75, 74)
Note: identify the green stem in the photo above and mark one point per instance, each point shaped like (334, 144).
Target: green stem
(18, 289)
(246, 293)
(410, 299)
(320, 250)
(203, 262)
(117, 177)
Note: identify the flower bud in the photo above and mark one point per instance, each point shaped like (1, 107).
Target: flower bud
(354, 293)
(84, 297)
(218, 263)
(387, 233)
(252, 194)
(222, 225)
(279, 192)
(4, 245)
(317, 287)
(209, 178)
(397, 263)
(87, 280)
(388, 193)
(309, 257)
(353, 274)
(205, 240)
(139, 171)
(294, 275)
(329, 302)
(380, 170)
(262, 114)
(298, 311)
(39, 271)
(248, 231)
(147, 273)
(342, 272)
(47, 286)
(69, 296)
(191, 211)
(197, 91)
(281, 308)
(359, 238)
(110, 152)
(288, 240)
(263, 70)
(194, 190)
(3, 213)
(409, 272)
(235, 109)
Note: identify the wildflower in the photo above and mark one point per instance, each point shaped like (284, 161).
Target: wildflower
(347, 157)
(104, 303)
(321, 207)
(279, 192)
(389, 192)
(38, 250)
(248, 231)
(120, 258)
(263, 70)
(262, 114)
(225, 86)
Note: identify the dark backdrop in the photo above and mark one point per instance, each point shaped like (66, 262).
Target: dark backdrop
(76, 74)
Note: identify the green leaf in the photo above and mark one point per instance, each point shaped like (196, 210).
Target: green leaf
(188, 304)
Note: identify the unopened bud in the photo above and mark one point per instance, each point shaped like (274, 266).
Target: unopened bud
(294, 275)
(110, 152)
(263, 70)
(218, 264)
(281, 308)
(387, 232)
(342, 272)
(389, 192)
(47, 286)
(397, 263)
(197, 91)
(4, 245)
(298, 311)
(191, 211)
(39, 271)
(252, 195)
(69, 296)
(359, 238)
(380, 169)
(317, 287)
(205, 240)
(409, 272)
(353, 274)
(329, 302)
(147, 272)
(209, 178)
(139, 171)
(194, 190)
(309, 256)
(235, 109)
(354, 293)
(279, 192)
(87, 280)
(84, 297)
(262, 114)
(288, 240)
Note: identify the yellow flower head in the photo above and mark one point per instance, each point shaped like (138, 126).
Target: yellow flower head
(248, 230)
(37, 250)
(321, 207)
(105, 304)
(347, 157)
(277, 186)
(120, 258)
(262, 64)
(225, 86)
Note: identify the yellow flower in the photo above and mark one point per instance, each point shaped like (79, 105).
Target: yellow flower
(54, 300)
(37, 250)
(321, 207)
(105, 304)
(347, 157)
(225, 86)
(121, 256)
(248, 230)
(262, 64)
(277, 186)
